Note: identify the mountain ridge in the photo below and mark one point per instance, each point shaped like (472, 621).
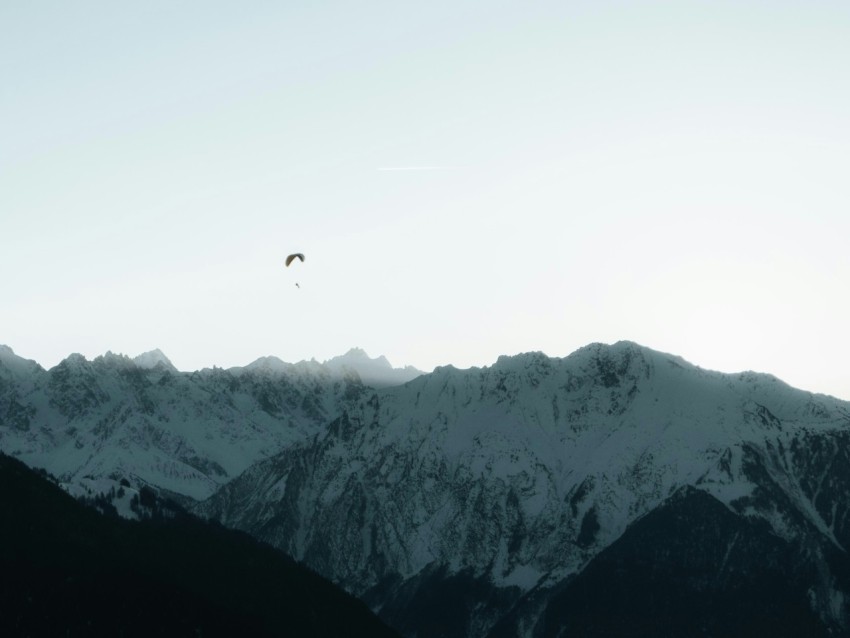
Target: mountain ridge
(500, 483)
(521, 473)
(179, 431)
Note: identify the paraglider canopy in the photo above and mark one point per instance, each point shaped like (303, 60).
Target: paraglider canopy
(293, 257)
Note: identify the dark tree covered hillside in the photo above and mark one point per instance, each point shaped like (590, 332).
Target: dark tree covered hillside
(689, 568)
(67, 570)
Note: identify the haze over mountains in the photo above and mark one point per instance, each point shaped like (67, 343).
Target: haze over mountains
(525, 498)
(183, 432)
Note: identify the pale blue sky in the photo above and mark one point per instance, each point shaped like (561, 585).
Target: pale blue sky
(672, 173)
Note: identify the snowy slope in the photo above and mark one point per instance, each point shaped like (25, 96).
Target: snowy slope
(521, 473)
(377, 373)
(140, 418)
(153, 359)
(487, 490)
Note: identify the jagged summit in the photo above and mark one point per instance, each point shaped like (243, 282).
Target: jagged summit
(358, 356)
(114, 360)
(74, 361)
(152, 359)
(14, 367)
(268, 364)
(376, 372)
(355, 353)
(10, 360)
(148, 361)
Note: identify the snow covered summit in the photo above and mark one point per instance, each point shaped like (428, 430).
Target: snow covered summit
(377, 373)
(153, 358)
(511, 479)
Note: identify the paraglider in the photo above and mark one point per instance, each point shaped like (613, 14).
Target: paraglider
(293, 257)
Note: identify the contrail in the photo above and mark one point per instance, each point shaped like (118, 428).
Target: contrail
(419, 168)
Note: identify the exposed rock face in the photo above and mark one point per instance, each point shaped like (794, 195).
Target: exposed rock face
(485, 501)
(187, 433)
(513, 479)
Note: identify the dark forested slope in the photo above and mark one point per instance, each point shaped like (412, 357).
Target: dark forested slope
(67, 570)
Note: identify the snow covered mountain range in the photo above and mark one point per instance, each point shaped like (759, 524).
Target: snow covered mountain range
(187, 433)
(485, 501)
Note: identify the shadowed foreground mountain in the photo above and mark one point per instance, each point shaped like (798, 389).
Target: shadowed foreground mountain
(691, 567)
(66, 570)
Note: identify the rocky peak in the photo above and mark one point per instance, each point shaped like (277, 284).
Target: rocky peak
(152, 359)
(17, 366)
(268, 364)
(377, 372)
(113, 361)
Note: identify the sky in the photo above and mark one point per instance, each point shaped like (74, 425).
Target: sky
(467, 179)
